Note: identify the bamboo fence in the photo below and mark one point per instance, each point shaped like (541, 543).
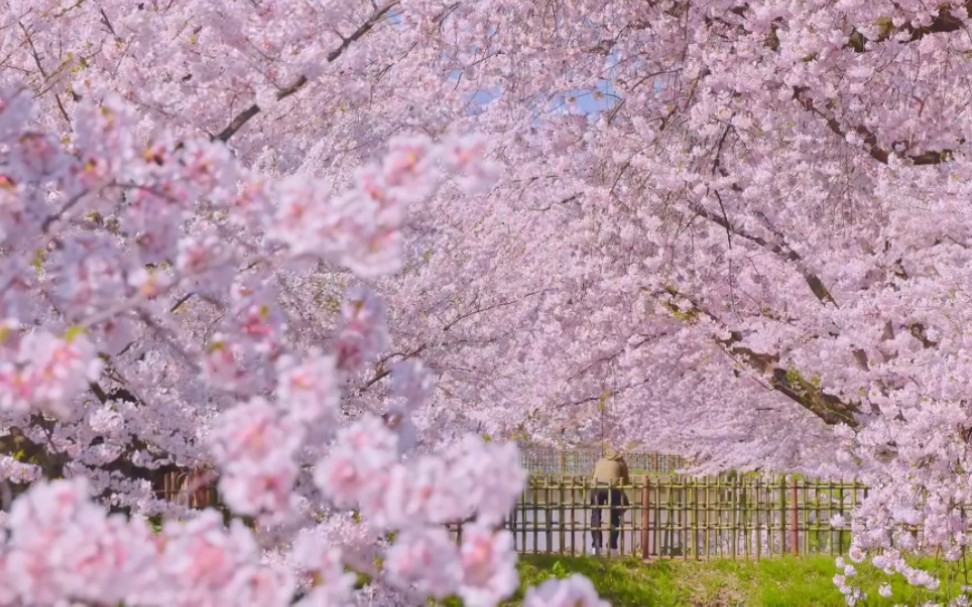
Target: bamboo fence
(188, 488)
(727, 516)
(662, 515)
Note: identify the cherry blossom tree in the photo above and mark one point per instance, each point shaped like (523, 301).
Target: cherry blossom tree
(734, 229)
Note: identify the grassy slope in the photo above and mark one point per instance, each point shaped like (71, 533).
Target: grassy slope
(778, 582)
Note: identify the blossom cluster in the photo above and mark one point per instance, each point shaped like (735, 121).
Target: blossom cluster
(175, 244)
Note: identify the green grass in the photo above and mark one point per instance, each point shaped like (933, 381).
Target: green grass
(777, 582)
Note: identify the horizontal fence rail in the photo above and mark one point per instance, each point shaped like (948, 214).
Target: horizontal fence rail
(549, 462)
(726, 516)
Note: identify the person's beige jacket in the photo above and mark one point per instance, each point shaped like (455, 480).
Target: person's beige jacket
(611, 469)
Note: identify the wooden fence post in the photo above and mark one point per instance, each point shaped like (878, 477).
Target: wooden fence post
(548, 518)
(645, 517)
(840, 532)
(794, 519)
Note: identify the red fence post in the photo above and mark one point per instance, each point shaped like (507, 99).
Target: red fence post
(645, 517)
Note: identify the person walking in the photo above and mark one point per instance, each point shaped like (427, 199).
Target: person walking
(610, 473)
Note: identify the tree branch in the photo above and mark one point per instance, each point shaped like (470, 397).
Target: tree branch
(243, 117)
(830, 409)
(943, 23)
(870, 139)
(813, 281)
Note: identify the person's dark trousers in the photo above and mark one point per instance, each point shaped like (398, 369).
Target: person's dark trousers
(603, 496)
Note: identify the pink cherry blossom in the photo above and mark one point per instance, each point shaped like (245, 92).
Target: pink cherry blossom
(489, 566)
(412, 382)
(46, 371)
(357, 467)
(425, 560)
(331, 584)
(574, 591)
(309, 390)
